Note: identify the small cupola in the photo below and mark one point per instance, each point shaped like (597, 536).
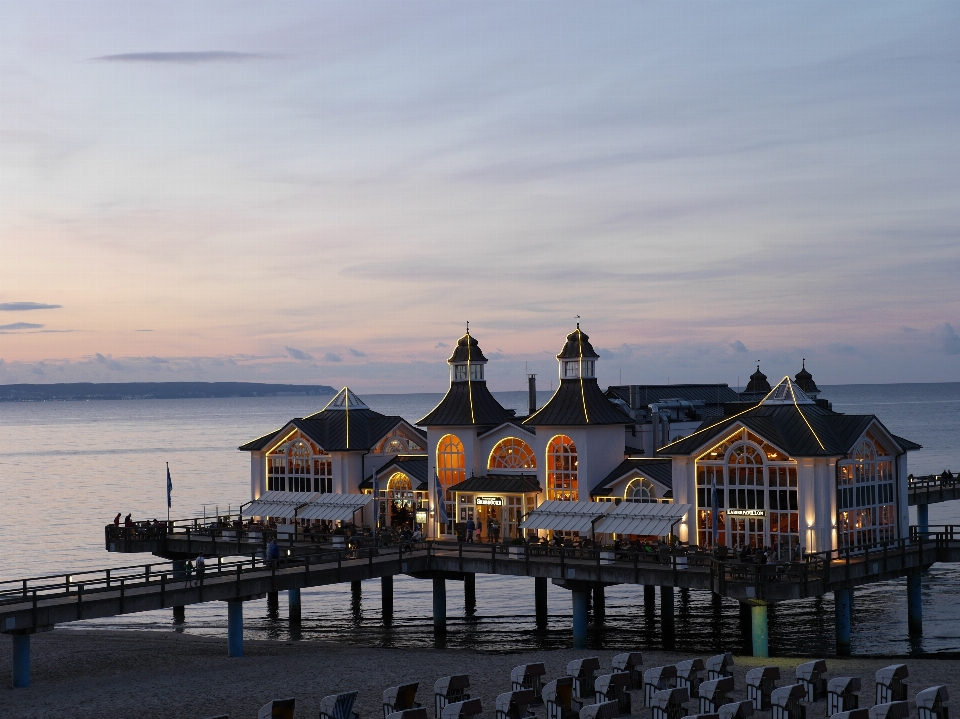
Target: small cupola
(467, 361)
(805, 381)
(758, 383)
(578, 359)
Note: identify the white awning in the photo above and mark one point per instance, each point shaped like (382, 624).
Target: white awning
(646, 519)
(651, 519)
(333, 507)
(282, 505)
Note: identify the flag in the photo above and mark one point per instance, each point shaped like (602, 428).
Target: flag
(715, 507)
(441, 503)
(169, 487)
(376, 501)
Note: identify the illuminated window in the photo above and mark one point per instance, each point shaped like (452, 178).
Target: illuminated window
(866, 501)
(451, 470)
(512, 453)
(562, 468)
(399, 482)
(640, 490)
(394, 446)
(298, 465)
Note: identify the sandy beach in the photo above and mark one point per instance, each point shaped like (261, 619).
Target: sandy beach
(90, 673)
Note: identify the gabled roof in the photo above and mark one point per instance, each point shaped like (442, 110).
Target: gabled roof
(800, 428)
(660, 470)
(512, 423)
(412, 465)
(356, 430)
(507, 483)
(578, 402)
(466, 404)
(255, 445)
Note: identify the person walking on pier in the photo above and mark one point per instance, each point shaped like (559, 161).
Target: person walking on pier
(471, 527)
(273, 554)
(201, 566)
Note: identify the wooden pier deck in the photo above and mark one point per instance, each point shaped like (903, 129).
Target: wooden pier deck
(933, 489)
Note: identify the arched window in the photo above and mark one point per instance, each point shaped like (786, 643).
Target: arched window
(394, 446)
(562, 468)
(865, 496)
(399, 482)
(640, 490)
(512, 453)
(451, 470)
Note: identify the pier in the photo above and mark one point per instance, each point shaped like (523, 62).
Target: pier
(38, 604)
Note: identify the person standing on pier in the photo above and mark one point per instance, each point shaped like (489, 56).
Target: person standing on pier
(471, 527)
(201, 566)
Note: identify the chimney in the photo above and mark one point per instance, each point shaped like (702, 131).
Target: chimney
(531, 394)
(634, 396)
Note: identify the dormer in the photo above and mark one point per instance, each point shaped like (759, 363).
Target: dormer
(467, 361)
(578, 359)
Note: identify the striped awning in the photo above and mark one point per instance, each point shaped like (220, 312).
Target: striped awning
(335, 507)
(281, 505)
(648, 519)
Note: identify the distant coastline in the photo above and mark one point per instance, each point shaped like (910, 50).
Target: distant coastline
(83, 391)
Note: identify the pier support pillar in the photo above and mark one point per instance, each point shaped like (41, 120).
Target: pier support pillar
(439, 604)
(843, 604)
(179, 615)
(923, 518)
(235, 628)
(273, 604)
(599, 604)
(666, 610)
(580, 599)
(21, 660)
(540, 600)
(293, 604)
(914, 604)
(355, 588)
(386, 598)
(470, 592)
(649, 598)
(179, 575)
(758, 623)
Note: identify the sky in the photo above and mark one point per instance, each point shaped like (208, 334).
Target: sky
(327, 192)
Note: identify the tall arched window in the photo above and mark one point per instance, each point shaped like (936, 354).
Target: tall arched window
(512, 453)
(865, 496)
(562, 468)
(451, 470)
(640, 490)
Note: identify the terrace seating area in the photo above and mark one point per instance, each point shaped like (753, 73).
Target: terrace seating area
(679, 691)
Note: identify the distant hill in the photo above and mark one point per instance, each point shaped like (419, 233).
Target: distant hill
(78, 391)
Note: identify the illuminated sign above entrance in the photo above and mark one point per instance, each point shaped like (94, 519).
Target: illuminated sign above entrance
(746, 513)
(421, 516)
(490, 501)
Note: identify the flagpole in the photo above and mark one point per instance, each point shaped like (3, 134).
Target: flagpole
(168, 494)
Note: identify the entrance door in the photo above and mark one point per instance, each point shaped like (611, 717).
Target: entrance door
(746, 532)
(488, 514)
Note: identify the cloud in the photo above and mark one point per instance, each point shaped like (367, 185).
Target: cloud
(187, 58)
(143, 330)
(298, 354)
(738, 346)
(441, 345)
(356, 353)
(842, 349)
(909, 330)
(25, 306)
(37, 369)
(21, 326)
(109, 361)
(946, 340)
(331, 357)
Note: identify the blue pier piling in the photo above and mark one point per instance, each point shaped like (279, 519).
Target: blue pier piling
(843, 605)
(386, 598)
(923, 518)
(21, 660)
(293, 604)
(666, 610)
(758, 623)
(914, 604)
(540, 600)
(235, 628)
(580, 599)
(439, 604)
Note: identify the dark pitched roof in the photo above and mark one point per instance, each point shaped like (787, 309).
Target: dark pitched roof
(577, 346)
(412, 465)
(578, 402)
(255, 445)
(907, 445)
(508, 483)
(659, 470)
(650, 393)
(466, 403)
(467, 349)
(804, 430)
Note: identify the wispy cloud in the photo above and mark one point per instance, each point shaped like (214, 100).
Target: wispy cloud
(21, 326)
(26, 306)
(332, 357)
(298, 354)
(738, 346)
(188, 58)
(441, 345)
(356, 353)
(946, 340)
(108, 361)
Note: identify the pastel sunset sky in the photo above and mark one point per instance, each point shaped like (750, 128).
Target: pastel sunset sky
(325, 192)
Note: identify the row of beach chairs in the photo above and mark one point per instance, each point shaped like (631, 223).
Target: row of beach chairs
(582, 693)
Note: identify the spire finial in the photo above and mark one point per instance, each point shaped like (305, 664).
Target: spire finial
(758, 365)
(578, 321)
(468, 326)
(804, 363)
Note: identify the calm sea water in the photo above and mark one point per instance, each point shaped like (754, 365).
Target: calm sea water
(66, 468)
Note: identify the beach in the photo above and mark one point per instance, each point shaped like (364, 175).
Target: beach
(93, 673)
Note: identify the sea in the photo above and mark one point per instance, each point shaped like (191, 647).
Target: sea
(66, 468)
